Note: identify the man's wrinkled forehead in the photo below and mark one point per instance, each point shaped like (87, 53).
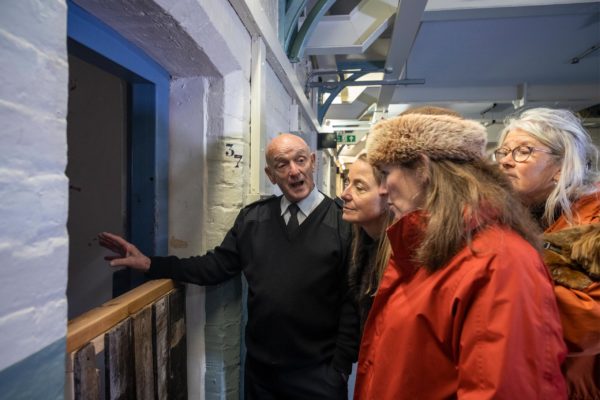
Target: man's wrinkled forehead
(288, 148)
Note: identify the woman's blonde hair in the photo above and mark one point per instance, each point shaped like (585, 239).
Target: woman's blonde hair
(562, 132)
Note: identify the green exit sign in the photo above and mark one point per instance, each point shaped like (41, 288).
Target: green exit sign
(346, 138)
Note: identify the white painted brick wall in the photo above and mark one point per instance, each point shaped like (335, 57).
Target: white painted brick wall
(222, 132)
(33, 186)
(224, 39)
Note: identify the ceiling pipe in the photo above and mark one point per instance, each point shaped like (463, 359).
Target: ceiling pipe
(575, 60)
(396, 82)
(318, 72)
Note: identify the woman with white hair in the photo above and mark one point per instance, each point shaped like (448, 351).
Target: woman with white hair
(465, 308)
(552, 164)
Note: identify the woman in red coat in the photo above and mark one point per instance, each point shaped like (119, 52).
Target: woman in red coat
(465, 309)
(552, 164)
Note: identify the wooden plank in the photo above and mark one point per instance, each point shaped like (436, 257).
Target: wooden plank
(118, 351)
(98, 320)
(86, 375)
(69, 377)
(160, 320)
(69, 386)
(178, 352)
(142, 343)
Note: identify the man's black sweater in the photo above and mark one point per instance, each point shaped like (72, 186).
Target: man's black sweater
(299, 311)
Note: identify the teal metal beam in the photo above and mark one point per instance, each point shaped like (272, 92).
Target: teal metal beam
(363, 65)
(290, 22)
(334, 90)
(308, 26)
(281, 18)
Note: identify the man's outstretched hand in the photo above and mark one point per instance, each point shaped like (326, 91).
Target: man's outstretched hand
(127, 255)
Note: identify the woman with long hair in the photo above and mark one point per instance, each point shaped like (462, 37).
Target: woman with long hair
(367, 210)
(465, 308)
(551, 162)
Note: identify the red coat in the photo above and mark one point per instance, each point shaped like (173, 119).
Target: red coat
(580, 316)
(484, 326)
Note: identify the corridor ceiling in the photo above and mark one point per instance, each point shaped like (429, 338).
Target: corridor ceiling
(483, 58)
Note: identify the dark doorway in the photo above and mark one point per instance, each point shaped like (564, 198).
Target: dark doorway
(117, 156)
(97, 137)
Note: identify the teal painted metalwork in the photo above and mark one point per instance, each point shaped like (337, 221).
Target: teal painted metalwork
(39, 376)
(290, 23)
(362, 65)
(307, 28)
(333, 92)
(281, 17)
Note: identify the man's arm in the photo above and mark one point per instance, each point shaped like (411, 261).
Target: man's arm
(348, 338)
(214, 267)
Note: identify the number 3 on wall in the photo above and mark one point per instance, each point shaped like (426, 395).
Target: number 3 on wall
(229, 152)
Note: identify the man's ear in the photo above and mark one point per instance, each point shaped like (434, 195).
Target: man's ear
(270, 174)
(313, 161)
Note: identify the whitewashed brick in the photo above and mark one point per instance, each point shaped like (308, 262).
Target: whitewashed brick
(26, 331)
(31, 204)
(43, 23)
(215, 26)
(32, 76)
(33, 187)
(28, 132)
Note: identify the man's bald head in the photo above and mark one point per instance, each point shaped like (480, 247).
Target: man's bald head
(290, 165)
(284, 141)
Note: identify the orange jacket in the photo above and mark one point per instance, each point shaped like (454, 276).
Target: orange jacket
(580, 316)
(484, 326)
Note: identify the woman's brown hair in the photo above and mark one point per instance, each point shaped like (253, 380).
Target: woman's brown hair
(462, 199)
(380, 258)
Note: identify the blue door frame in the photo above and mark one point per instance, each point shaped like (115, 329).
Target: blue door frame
(95, 42)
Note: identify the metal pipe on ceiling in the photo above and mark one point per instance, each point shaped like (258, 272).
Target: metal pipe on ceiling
(397, 82)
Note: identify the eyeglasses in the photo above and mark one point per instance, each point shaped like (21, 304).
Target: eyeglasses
(519, 153)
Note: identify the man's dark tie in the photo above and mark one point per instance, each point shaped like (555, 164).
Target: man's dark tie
(292, 224)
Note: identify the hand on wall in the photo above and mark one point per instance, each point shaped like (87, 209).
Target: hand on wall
(127, 255)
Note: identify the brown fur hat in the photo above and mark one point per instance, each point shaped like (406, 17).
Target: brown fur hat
(440, 137)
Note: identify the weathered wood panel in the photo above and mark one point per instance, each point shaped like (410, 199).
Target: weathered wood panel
(118, 352)
(142, 343)
(177, 343)
(97, 321)
(86, 375)
(144, 356)
(160, 317)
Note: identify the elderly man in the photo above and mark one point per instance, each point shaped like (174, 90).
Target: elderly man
(302, 333)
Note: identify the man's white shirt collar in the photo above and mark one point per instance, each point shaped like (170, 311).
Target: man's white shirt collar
(306, 205)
